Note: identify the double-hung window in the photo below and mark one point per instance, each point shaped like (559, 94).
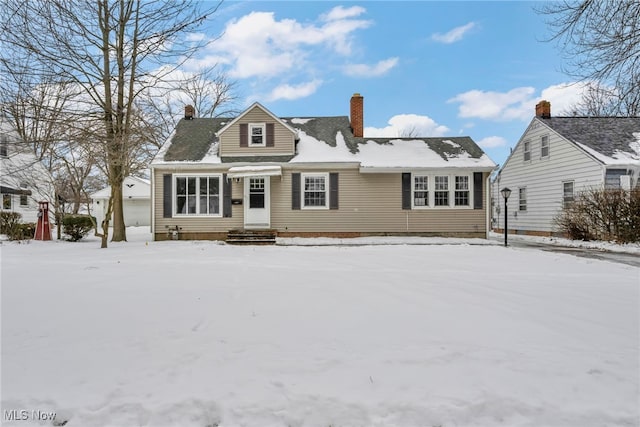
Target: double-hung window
(198, 195)
(522, 199)
(441, 191)
(314, 191)
(24, 201)
(527, 151)
(544, 147)
(3, 146)
(567, 193)
(420, 190)
(257, 134)
(6, 201)
(461, 195)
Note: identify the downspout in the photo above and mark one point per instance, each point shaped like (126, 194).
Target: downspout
(153, 204)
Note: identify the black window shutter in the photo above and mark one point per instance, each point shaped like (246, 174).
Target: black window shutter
(167, 196)
(406, 190)
(226, 196)
(333, 190)
(295, 191)
(244, 135)
(477, 190)
(270, 135)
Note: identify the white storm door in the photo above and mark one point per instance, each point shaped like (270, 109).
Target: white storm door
(257, 202)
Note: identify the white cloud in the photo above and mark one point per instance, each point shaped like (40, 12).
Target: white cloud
(492, 142)
(340, 12)
(564, 96)
(290, 92)
(259, 45)
(454, 35)
(489, 105)
(407, 125)
(518, 103)
(365, 70)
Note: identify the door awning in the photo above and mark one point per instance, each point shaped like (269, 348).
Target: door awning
(244, 171)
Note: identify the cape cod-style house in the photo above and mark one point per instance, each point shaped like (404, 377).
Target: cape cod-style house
(314, 176)
(558, 157)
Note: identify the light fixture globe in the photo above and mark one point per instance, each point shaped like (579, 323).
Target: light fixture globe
(506, 192)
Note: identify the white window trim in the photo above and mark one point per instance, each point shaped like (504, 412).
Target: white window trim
(548, 147)
(468, 190)
(432, 190)
(525, 151)
(262, 126)
(324, 175)
(573, 193)
(174, 196)
(429, 190)
(526, 202)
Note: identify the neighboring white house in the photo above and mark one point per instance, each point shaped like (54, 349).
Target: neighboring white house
(24, 181)
(558, 157)
(136, 202)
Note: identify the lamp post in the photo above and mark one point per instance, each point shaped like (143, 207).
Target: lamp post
(506, 192)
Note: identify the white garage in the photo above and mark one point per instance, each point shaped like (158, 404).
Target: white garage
(136, 199)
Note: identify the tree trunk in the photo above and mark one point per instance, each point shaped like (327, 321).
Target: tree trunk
(119, 229)
(105, 223)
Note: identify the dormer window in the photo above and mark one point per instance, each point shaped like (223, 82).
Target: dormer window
(257, 134)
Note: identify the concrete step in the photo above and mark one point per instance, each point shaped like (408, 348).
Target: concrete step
(251, 237)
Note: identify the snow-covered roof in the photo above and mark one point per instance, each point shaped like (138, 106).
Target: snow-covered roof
(611, 140)
(328, 140)
(133, 187)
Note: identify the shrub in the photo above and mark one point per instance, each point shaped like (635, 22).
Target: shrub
(611, 215)
(77, 226)
(26, 230)
(10, 224)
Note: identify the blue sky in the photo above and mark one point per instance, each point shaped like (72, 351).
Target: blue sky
(436, 68)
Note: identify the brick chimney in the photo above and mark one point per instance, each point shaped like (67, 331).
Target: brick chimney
(189, 112)
(543, 109)
(357, 115)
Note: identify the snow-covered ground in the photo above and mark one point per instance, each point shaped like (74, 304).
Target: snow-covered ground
(204, 334)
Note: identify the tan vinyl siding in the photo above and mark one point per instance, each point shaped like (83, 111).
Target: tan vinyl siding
(230, 138)
(368, 203)
(543, 178)
(194, 224)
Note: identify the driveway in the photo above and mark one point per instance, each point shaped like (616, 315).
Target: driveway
(617, 257)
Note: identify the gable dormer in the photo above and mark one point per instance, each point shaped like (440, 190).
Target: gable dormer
(256, 134)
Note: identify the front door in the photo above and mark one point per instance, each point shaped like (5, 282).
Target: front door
(257, 203)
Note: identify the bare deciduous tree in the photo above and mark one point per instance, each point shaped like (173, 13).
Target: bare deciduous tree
(600, 40)
(112, 51)
(209, 91)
